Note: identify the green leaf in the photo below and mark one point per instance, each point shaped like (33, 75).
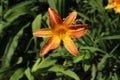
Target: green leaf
(61, 7)
(97, 5)
(47, 62)
(78, 58)
(86, 65)
(36, 24)
(17, 74)
(83, 16)
(67, 72)
(102, 63)
(10, 48)
(114, 49)
(100, 76)
(111, 37)
(87, 55)
(93, 49)
(115, 77)
(0, 12)
(94, 70)
(16, 11)
(52, 3)
(28, 74)
(35, 66)
(20, 60)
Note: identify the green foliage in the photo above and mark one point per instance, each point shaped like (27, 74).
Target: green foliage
(99, 49)
(17, 74)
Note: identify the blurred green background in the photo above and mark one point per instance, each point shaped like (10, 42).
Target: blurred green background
(99, 49)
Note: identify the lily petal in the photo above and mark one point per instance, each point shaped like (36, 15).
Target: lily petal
(77, 31)
(43, 33)
(109, 6)
(70, 19)
(117, 9)
(70, 46)
(54, 18)
(52, 43)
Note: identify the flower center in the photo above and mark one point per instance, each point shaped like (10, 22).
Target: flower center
(60, 31)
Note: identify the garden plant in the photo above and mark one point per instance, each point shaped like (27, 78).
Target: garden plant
(59, 39)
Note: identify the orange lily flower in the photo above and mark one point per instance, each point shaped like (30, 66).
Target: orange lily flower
(61, 30)
(114, 4)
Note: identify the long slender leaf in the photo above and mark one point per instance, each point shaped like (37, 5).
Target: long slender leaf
(13, 43)
(111, 37)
